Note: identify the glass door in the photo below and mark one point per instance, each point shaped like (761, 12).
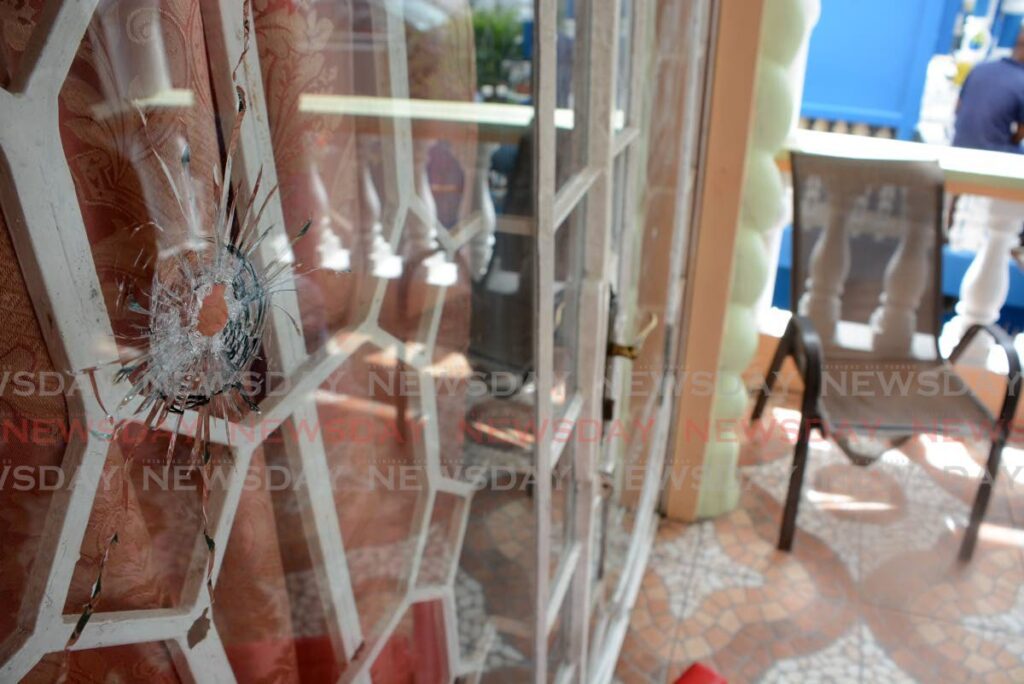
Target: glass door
(657, 172)
(324, 289)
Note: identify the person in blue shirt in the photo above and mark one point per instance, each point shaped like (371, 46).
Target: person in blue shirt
(990, 113)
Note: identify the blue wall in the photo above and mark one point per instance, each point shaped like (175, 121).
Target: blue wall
(1006, 29)
(868, 60)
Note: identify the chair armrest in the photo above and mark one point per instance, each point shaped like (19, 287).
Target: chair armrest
(807, 344)
(1013, 378)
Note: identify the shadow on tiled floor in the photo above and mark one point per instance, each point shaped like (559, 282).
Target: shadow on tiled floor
(872, 591)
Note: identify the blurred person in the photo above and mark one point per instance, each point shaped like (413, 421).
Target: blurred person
(990, 112)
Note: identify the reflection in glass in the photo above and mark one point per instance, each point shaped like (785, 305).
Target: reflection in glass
(563, 501)
(568, 284)
(400, 134)
(429, 159)
(571, 91)
(624, 70)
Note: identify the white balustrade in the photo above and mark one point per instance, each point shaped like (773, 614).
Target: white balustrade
(987, 281)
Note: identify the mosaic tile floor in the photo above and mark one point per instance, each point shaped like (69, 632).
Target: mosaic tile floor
(872, 591)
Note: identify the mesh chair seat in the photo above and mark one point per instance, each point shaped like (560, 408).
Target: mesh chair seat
(882, 398)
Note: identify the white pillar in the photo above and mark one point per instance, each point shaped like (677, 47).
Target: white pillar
(987, 281)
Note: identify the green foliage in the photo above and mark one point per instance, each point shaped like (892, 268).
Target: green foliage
(498, 36)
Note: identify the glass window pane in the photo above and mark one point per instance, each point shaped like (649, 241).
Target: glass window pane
(374, 293)
(571, 91)
(559, 642)
(567, 288)
(624, 69)
(563, 502)
(396, 145)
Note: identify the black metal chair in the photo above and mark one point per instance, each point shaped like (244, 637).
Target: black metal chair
(867, 238)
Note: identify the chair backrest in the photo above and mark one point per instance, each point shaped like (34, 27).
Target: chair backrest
(867, 248)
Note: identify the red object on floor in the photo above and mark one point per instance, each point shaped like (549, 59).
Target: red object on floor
(700, 674)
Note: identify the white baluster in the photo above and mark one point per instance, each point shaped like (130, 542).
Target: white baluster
(860, 218)
(331, 252)
(830, 264)
(886, 216)
(482, 243)
(421, 228)
(895, 320)
(130, 35)
(132, 66)
(386, 264)
(967, 232)
(987, 281)
(420, 232)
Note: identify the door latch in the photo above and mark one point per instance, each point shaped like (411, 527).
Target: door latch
(632, 351)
